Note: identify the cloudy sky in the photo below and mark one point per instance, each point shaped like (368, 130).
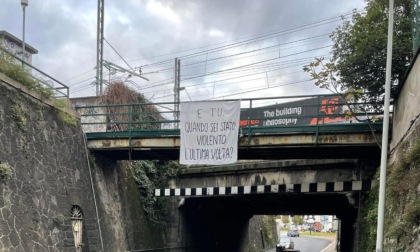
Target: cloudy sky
(229, 49)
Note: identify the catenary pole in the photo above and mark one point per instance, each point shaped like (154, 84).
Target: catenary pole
(176, 93)
(99, 46)
(384, 151)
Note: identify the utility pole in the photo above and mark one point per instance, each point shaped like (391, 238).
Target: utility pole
(384, 148)
(99, 47)
(177, 88)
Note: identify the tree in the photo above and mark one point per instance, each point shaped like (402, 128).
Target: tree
(359, 51)
(285, 219)
(297, 220)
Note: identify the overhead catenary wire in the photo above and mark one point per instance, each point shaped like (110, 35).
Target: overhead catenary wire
(272, 86)
(118, 53)
(222, 81)
(338, 17)
(184, 66)
(256, 39)
(218, 60)
(238, 67)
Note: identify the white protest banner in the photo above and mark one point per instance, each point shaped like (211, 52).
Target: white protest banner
(209, 132)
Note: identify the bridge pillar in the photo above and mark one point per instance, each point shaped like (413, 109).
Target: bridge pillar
(206, 229)
(347, 230)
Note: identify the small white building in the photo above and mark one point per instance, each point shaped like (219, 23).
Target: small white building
(14, 45)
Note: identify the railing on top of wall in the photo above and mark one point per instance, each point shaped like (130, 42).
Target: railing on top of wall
(269, 115)
(59, 89)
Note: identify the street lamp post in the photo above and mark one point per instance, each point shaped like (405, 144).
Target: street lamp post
(24, 3)
(310, 220)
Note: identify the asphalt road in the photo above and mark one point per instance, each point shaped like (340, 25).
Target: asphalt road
(307, 244)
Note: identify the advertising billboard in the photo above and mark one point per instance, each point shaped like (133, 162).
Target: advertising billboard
(301, 112)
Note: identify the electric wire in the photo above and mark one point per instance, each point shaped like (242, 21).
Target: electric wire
(232, 78)
(259, 38)
(237, 54)
(117, 53)
(238, 67)
(341, 16)
(241, 42)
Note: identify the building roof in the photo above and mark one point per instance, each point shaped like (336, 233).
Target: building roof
(10, 36)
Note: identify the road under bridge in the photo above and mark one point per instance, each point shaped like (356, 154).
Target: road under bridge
(216, 203)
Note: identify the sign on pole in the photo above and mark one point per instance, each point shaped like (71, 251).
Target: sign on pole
(209, 132)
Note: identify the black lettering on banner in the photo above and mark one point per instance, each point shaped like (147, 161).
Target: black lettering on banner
(213, 127)
(208, 135)
(206, 154)
(196, 127)
(211, 139)
(217, 111)
(227, 126)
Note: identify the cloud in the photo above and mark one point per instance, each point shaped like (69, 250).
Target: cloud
(163, 12)
(216, 33)
(151, 33)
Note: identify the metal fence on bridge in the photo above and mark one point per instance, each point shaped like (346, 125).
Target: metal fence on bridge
(59, 90)
(270, 115)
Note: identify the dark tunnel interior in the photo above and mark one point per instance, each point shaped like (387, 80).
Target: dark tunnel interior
(220, 223)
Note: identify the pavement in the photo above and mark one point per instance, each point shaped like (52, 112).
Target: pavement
(332, 246)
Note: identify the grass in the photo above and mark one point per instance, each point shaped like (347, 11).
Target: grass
(317, 234)
(15, 71)
(69, 119)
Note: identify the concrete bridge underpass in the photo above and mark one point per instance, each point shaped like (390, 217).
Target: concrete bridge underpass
(210, 207)
(210, 221)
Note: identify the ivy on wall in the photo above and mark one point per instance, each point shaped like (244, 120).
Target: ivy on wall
(149, 175)
(402, 202)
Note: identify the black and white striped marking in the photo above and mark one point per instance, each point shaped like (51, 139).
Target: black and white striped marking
(345, 186)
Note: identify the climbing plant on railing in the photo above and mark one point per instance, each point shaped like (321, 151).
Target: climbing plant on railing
(148, 174)
(134, 111)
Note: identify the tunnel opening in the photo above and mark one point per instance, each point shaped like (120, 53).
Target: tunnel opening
(223, 223)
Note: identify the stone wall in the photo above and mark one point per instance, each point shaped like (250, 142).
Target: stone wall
(124, 223)
(49, 176)
(406, 132)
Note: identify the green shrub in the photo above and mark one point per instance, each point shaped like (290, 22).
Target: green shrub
(10, 68)
(412, 215)
(402, 212)
(6, 172)
(63, 116)
(20, 116)
(402, 200)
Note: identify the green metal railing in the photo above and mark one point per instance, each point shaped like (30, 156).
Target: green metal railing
(59, 89)
(312, 114)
